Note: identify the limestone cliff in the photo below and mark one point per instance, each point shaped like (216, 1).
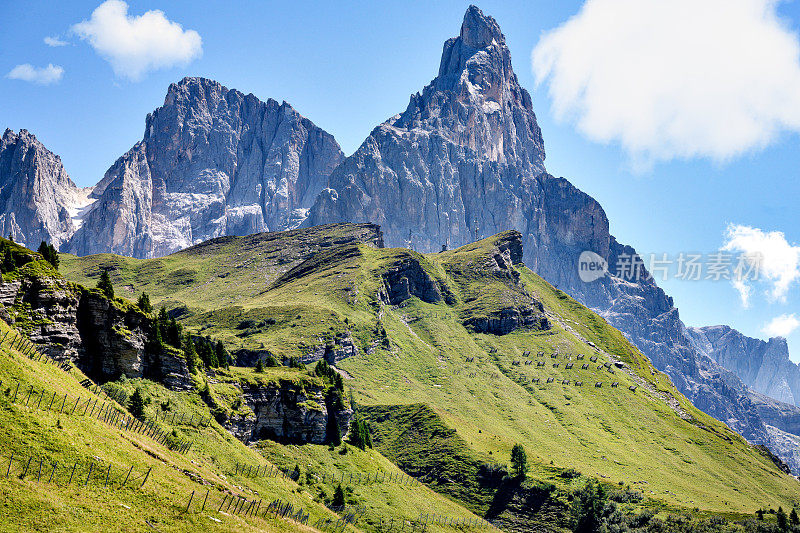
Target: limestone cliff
(37, 197)
(763, 365)
(212, 162)
(69, 322)
(286, 411)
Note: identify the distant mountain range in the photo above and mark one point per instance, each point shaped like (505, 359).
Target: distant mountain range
(465, 160)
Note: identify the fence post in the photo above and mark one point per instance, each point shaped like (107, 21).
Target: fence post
(190, 501)
(129, 475)
(146, 476)
(53, 473)
(108, 474)
(8, 472)
(91, 467)
(73, 472)
(15, 392)
(39, 475)
(26, 467)
(225, 497)
(204, 500)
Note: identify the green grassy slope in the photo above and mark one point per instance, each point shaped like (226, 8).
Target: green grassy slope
(250, 294)
(65, 465)
(32, 503)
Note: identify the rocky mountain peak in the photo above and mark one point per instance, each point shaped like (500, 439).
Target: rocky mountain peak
(36, 193)
(212, 162)
(479, 30)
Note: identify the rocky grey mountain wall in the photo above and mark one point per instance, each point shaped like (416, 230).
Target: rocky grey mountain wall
(212, 162)
(35, 192)
(764, 366)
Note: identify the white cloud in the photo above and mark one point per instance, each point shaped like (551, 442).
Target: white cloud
(41, 75)
(781, 326)
(135, 45)
(775, 261)
(55, 41)
(677, 79)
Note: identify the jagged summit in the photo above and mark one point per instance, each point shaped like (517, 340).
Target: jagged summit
(462, 162)
(479, 30)
(37, 197)
(476, 100)
(212, 162)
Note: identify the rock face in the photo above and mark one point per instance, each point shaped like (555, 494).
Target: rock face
(466, 160)
(286, 413)
(406, 278)
(37, 197)
(763, 366)
(212, 162)
(71, 323)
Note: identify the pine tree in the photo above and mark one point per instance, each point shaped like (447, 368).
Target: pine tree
(519, 461)
(222, 355)
(359, 435)
(271, 361)
(144, 303)
(793, 518)
(259, 366)
(190, 353)
(782, 519)
(136, 405)
(338, 497)
(587, 508)
(54, 260)
(44, 251)
(105, 285)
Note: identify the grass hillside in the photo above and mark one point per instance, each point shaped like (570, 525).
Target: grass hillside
(34, 432)
(446, 403)
(74, 459)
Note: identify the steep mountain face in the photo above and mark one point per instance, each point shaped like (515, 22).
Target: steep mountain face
(212, 162)
(36, 194)
(466, 159)
(460, 163)
(763, 365)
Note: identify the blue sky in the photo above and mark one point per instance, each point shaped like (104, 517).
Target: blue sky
(349, 66)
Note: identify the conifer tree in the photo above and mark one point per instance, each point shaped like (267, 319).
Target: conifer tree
(190, 353)
(136, 405)
(519, 461)
(105, 285)
(780, 516)
(338, 497)
(144, 303)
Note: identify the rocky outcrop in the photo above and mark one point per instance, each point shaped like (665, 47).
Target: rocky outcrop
(406, 277)
(341, 347)
(764, 366)
(286, 412)
(509, 319)
(104, 339)
(37, 197)
(212, 162)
